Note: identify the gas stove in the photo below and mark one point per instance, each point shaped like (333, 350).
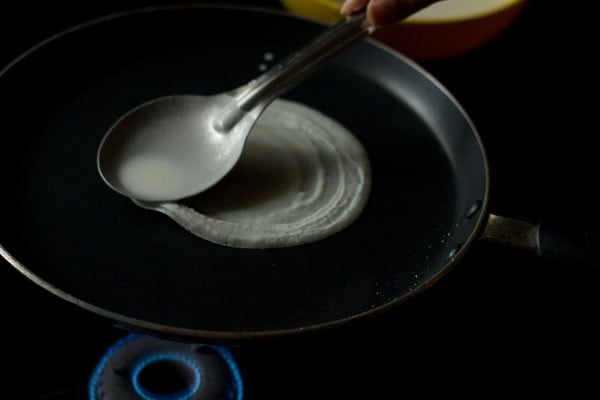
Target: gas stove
(501, 318)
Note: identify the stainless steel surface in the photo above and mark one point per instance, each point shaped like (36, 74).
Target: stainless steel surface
(511, 232)
(175, 147)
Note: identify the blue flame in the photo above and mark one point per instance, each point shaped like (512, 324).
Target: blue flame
(110, 352)
(236, 391)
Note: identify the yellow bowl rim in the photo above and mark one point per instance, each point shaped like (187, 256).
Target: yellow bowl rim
(423, 20)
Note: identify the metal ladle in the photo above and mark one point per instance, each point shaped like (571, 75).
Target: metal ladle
(178, 146)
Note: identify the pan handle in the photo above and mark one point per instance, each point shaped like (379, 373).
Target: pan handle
(565, 243)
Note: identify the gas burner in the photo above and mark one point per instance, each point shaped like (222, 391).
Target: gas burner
(140, 367)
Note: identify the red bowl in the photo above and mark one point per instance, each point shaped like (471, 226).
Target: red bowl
(443, 30)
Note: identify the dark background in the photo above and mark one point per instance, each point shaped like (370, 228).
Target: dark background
(501, 323)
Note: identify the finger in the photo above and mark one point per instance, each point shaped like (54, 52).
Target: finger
(352, 6)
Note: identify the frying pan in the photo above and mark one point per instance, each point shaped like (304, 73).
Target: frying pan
(67, 231)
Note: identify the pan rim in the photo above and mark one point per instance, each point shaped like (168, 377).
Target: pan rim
(136, 324)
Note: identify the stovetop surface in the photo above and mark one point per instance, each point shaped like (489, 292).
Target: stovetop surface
(501, 318)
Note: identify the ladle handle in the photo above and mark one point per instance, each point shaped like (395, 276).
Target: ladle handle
(293, 69)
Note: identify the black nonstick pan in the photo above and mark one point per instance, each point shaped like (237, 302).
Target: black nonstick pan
(67, 231)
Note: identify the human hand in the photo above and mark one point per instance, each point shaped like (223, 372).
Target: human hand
(385, 12)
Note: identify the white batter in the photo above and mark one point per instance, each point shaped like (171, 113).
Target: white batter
(459, 9)
(302, 177)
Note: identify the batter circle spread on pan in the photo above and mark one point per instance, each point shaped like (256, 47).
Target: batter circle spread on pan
(302, 177)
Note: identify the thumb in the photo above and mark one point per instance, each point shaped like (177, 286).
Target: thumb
(351, 6)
